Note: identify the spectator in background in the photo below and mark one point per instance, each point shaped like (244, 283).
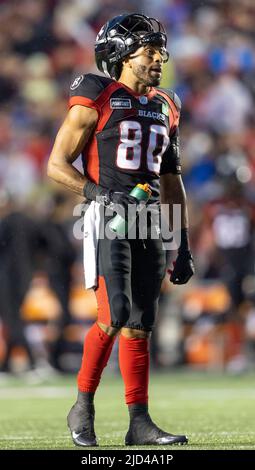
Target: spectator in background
(231, 220)
(18, 240)
(59, 256)
(27, 245)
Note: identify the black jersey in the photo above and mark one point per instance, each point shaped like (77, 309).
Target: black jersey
(135, 140)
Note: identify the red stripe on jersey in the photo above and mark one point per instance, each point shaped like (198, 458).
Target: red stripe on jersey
(81, 100)
(103, 102)
(174, 110)
(149, 95)
(105, 95)
(91, 158)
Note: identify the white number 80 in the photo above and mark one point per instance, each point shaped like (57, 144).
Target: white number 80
(129, 150)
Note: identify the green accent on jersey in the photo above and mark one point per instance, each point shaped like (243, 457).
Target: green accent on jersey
(165, 109)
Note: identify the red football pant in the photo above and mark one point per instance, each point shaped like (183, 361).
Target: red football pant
(134, 367)
(96, 352)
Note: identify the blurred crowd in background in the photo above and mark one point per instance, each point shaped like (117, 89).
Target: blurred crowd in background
(44, 309)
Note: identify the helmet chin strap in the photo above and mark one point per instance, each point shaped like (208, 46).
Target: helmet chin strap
(115, 72)
(104, 66)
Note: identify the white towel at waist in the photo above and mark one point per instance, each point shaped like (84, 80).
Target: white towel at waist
(90, 244)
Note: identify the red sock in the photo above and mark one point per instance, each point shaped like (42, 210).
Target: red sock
(134, 367)
(96, 352)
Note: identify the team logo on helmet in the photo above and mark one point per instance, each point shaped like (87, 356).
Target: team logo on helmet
(101, 33)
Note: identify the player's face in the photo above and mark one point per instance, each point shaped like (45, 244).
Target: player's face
(147, 65)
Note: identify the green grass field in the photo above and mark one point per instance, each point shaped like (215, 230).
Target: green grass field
(216, 412)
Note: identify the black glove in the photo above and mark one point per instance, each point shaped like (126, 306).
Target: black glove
(116, 201)
(183, 268)
(184, 265)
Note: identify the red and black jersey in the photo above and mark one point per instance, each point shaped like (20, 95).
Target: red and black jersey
(136, 136)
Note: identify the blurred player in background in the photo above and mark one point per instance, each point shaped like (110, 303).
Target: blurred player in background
(127, 132)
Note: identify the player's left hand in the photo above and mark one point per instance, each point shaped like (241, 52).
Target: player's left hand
(183, 268)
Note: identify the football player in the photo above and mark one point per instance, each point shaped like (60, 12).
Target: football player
(126, 129)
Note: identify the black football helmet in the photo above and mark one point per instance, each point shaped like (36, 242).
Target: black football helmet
(123, 35)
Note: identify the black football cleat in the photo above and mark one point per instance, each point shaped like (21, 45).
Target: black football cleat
(142, 430)
(83, 439)
(80, 421)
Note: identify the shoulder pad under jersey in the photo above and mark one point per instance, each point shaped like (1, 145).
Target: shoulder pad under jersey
(173, 96)
(89, 86)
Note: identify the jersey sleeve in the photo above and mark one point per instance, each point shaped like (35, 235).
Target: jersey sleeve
(170, 162)
(84, 91)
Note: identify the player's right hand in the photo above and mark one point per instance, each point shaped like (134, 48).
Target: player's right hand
(116, 201)
(119, 201)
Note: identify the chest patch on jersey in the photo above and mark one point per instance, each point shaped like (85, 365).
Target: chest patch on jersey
(120, 103)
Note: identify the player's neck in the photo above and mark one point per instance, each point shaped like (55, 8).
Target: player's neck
(132, 83)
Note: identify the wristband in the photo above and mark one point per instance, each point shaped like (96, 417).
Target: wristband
(184, 246)
(92, 190)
